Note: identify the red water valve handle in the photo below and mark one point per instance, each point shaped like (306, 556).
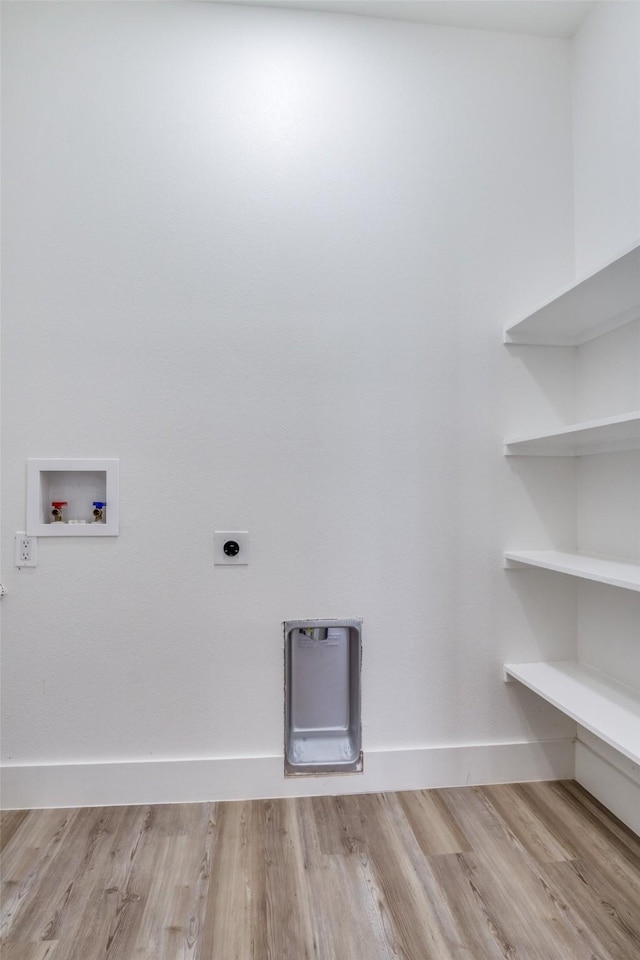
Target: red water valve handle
(58, 503)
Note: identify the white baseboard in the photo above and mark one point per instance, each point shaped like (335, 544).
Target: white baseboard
(610, 777)
(235, 778)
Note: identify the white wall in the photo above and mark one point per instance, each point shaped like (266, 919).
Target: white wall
(606, 134)
(606, 131)
(264, 257)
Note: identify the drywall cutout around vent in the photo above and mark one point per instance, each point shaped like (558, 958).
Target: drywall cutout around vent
(323, 730)
(87, 494)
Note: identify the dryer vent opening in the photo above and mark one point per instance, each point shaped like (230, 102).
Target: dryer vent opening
(323, 731)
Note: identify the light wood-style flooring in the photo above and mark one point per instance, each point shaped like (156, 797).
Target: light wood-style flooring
(524, 871)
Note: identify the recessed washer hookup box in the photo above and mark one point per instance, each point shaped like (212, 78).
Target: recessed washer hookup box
(322, 721)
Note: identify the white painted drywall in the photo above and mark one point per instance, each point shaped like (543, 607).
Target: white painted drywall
(608, 372)
(265, 257)
(606, 126)
(606, 132)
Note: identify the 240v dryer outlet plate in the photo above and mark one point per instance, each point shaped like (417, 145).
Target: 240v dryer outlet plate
(231, 547)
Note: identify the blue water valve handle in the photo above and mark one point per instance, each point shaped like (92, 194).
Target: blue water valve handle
(99, 504)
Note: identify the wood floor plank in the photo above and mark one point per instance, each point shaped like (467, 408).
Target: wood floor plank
(111, 912)
(348, 909)
(339, 824)
(181, 819)
(38, 840)
(593, 840)
(161, 926)
(14, 950)
(194, 896)
(231, 904)
(318, 871)
(585, 803)
(615, 928)
(289, 911)
(26, 859)
(439, 916)
(540, 837)
(174, 909)
(38, 918)
(509, 872)
(433, 826)
(10, 822)
(417, 932)
(79, 874)
(234, 925)
(478, 927)
(353, 916)
(534, 922)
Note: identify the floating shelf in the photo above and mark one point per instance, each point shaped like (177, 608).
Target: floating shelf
(608, 435)
(616, 573)
(599, 303)
(607, 708)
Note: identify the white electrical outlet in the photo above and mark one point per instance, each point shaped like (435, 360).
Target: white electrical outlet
(26, 550)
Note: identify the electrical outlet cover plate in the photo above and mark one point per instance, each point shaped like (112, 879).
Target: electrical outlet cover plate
(241, 537)
(26, 550)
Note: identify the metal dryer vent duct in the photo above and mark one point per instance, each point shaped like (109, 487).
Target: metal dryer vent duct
(323, 730)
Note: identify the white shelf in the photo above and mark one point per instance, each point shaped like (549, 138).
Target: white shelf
(607, 708)
(607, 435)
(617, 573)
(606, 299)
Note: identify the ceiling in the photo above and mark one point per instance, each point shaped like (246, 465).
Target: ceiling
(544, 18)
